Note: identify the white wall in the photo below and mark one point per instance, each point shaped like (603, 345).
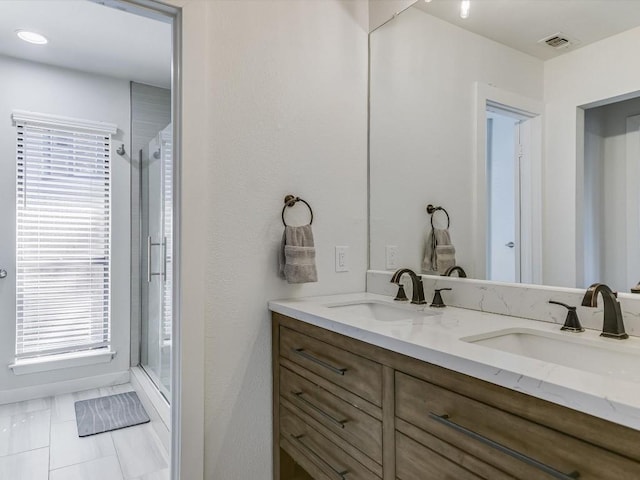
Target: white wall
(275, 100)
(423, 75)
(603, 70)
(45, 89)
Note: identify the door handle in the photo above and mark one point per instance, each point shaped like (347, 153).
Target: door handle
(151, 274)
(510, 244)
(303, 354)
(164, 259)
(3, 273)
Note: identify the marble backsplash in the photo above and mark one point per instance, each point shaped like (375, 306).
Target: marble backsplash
(518, 300)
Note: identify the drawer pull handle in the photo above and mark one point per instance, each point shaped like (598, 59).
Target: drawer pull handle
(338, 473)
(444, 419)
(335, 421)
(304, 354)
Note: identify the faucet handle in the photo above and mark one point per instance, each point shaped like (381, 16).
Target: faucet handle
(437, 298)
(572, 322)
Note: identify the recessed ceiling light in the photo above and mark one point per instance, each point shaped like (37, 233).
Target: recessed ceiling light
(465, 5)
(32, 37)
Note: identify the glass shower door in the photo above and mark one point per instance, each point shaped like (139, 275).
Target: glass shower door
(157, 316)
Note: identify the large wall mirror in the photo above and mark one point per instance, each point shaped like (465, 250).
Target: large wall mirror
(523, 122)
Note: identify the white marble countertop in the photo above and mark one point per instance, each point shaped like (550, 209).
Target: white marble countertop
(435, 337)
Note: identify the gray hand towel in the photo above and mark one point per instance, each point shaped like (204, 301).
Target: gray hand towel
(445, 257)
(298, 255)
(439, 253)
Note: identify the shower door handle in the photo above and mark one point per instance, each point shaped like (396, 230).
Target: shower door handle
(3, 273)
(150, 273)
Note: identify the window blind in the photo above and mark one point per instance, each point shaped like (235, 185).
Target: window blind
(166, 150)
(63, 247)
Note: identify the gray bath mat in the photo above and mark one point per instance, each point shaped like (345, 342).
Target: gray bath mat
(104, 414)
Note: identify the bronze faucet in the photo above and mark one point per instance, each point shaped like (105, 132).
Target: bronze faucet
(613, 325)
(456, 268)
(417, 296)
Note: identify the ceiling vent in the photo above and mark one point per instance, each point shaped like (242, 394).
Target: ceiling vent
(558, 40)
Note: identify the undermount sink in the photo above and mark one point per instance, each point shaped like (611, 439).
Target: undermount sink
(592, 355)
(383, 311)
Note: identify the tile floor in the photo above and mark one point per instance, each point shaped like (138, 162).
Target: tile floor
(39, 441)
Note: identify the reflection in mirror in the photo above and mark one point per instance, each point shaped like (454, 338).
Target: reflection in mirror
(503, 182)
(519, 140)
(513, 146)
(611, 155)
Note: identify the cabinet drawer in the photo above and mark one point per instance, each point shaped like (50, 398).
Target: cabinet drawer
(319, 450)
(358, 428)
(414, 461)
(452, 452)
(352, 372)
(520, 447)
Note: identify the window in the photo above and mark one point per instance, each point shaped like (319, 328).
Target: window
(63, 244)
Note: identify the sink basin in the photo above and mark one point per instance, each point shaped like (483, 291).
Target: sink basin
(592, 355)
(383, 311)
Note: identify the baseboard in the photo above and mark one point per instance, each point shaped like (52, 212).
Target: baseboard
(68, 386)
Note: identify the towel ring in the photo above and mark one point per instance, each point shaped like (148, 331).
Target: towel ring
(290, 201)
(431, 210)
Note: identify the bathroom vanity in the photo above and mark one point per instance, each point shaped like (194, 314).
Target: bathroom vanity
(361, 391)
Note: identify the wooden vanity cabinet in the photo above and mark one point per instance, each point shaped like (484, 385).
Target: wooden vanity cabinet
(345, 409)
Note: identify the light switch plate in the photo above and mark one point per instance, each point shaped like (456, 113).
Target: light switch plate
(342, 259)
(392, 257)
